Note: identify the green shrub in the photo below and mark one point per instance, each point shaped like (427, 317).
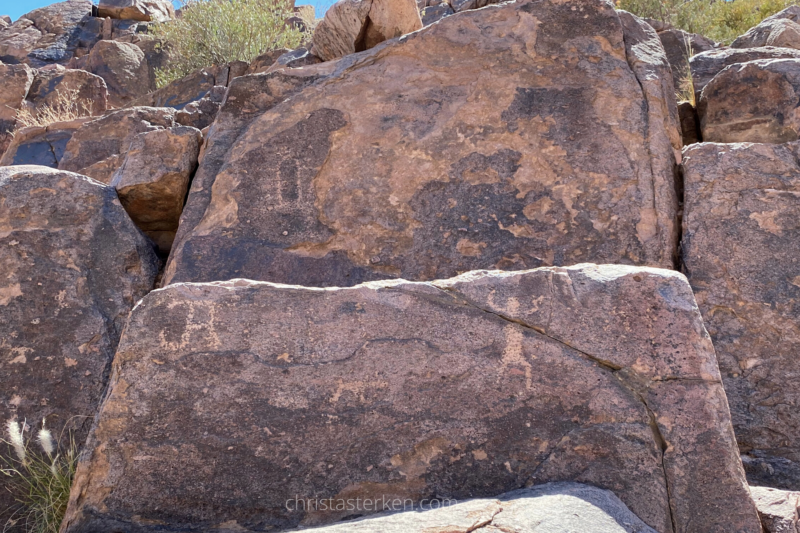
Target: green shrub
(720, 20)
(40, 481)
(216, 32)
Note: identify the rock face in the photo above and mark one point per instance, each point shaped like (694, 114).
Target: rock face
(60, 88)
(201, 113)
(690, 125)
(72, 265)
(780, 30)
(153, 181)
(778, 509)
(351, 26)
(43, 146)
(495, 159)
(679, 47)
(125, 70)
(147, 10)
(51, 34)
(98, 148)
(752, 102)
(740, 234)
(188, 89)
(574, 374)
(15, 81)
(706, 65)
(548, 508)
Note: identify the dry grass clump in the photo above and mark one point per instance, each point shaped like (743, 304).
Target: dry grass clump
(684, 86)
(216, 32)
(39, 480)
(720, 20)
(67, 106)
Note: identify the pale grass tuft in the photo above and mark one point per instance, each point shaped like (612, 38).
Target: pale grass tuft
(684, 86)
(40, 484)
(67, 106)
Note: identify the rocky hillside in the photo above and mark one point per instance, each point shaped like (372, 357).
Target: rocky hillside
(467, 265)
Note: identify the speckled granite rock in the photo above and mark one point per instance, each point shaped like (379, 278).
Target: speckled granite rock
(740, 235)
(495, 159)
(459, 388)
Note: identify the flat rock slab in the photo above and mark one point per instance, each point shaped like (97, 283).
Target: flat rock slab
(516, 136)
(229, 399)
(549, 508)
(72, 265)
(740, 235)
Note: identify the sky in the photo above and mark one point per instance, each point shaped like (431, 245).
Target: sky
(17, 8)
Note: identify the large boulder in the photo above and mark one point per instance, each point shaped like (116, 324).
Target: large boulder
(679, 47)
(549, 508)
(190, 88)
(781, 29)
(153, 181)
(146, 10)
(778, 509)
(15, 81)
(41, 145)
(124, 68)
(706, 65)
(51, 34)
(72, 266)
(98, 148)
(351, 26)
(752, 102)
(740, 235)
(68, 89)
(460, 388)
(495, 159)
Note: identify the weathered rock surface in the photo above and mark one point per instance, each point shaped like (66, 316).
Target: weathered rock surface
(679, 47)
(98, 148)
(201, 113)
(187, 89)
(435, 13)
(15, 81)
(778, 509)
(43, 146)
(146, 10)
(596, 374)
(706, 65)
(549, 508)
(351, 26)
(752, 102)
(690, 124)
(496, 159)
(740, 234)
(153, 181)
(124, 68)
(72, 265)
(781, 30)
(59, 88)
(51, 34)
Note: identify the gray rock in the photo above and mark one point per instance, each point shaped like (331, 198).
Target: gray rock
(781, 29)
(435, 13)
(43, 146)
(778, 509)
(679, 47)
(560, 507)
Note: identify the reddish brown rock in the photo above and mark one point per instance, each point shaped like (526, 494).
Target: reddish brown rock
(146, 10)
(351, 26)
(153, 181)
(706, 65)
(51, 34)
(98, 148)
(494, 160)
(72, 265)
(15, 81)
(740, 234)
(188, 89)
(60, 88)
(459, 388)
(781, 29)
(124, 68)
(679, 47)
(752, 102)
(43, 146)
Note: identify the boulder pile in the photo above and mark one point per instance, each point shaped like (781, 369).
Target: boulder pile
(467, 263)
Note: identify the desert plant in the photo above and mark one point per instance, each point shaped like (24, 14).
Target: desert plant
(67, 105)
(720, 20)
(684, 85)
(39, 480)
(216, 32)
